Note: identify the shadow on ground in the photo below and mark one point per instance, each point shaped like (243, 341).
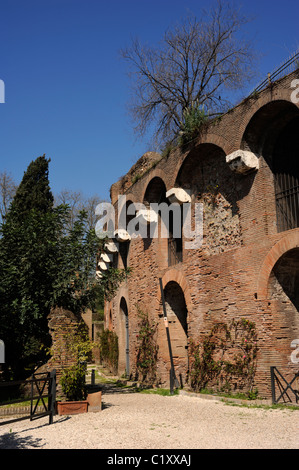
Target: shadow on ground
(14, 440)
(113, 387)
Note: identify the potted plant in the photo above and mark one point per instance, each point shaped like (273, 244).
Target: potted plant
(73, 387)
(77, 347)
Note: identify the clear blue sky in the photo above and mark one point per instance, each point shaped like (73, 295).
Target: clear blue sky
(66, 86)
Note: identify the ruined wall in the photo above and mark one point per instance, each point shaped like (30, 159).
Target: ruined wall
(234, 273)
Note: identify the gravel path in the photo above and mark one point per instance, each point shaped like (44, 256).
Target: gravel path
(144, 421)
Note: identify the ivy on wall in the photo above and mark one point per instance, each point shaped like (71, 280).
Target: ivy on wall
(109, 349)
(226, 358)
(147, 349)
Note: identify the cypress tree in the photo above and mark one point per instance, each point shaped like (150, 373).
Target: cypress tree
(27, 245)
(42, 266)
(34, 191)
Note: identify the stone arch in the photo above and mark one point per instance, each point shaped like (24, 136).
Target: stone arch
(189, 173)
(206, 175)
(124, 219)
(287, 243)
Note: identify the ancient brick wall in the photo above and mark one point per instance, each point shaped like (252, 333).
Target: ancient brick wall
(245, 268)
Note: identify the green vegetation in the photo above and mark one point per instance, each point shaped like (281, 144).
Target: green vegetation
(43, 265)
(226, 358)
(76, 347)
(109, 349)
(158, 391)
(193, 118)
(147, 349)
(73, 382)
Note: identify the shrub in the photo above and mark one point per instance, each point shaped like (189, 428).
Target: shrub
(147, 351)
(226, 357)
(109, 349)
(194, 118)
(73, 383)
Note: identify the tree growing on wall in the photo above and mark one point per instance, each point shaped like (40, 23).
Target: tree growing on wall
(188, 74)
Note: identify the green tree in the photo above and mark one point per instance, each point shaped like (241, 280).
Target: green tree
(41, 266)
(34, 191)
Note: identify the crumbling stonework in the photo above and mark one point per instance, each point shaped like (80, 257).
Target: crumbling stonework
(247, 265)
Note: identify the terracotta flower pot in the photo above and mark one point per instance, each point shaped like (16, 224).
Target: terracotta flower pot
(72, 407)
(94, 400)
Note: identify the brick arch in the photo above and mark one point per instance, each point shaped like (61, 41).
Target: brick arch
(217, 142)
(155, 173)
(176, 276)
(290, 241)
(279, 94)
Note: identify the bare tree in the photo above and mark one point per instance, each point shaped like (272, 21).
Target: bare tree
(77, 202)
(196, 62)
(74, 200)
(7, 191)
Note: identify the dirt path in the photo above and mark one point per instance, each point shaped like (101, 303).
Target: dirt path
(145, 421)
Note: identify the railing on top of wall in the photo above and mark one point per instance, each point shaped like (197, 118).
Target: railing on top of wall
(287, 67)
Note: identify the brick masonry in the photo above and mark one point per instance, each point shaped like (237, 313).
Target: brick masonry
(245, 268)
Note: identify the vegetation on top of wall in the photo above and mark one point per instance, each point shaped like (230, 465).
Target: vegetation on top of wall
(194, 118)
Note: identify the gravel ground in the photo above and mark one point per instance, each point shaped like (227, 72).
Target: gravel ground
(145, 421)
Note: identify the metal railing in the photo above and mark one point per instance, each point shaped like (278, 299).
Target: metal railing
(284, 388)
(42, 390)
(287, 67)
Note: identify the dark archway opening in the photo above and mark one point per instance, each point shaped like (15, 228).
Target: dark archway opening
(177, 315)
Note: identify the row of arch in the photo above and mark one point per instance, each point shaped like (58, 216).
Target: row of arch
(177, 313)
(271, 133)
(278, 279)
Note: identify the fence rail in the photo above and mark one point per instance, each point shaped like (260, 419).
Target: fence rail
(287, 67)
(285, 388)
(42, 389)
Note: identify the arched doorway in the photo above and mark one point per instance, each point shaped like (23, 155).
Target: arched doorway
(178, 328)
(123, 339)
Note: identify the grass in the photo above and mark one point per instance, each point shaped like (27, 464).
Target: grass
(24, 403)
(239, 396)
(278, 406)
(158, 391)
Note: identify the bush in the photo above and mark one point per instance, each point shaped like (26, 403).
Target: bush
(194, 118)
(109, 349)
(73, 383)
(147, 350)
(225, 359)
